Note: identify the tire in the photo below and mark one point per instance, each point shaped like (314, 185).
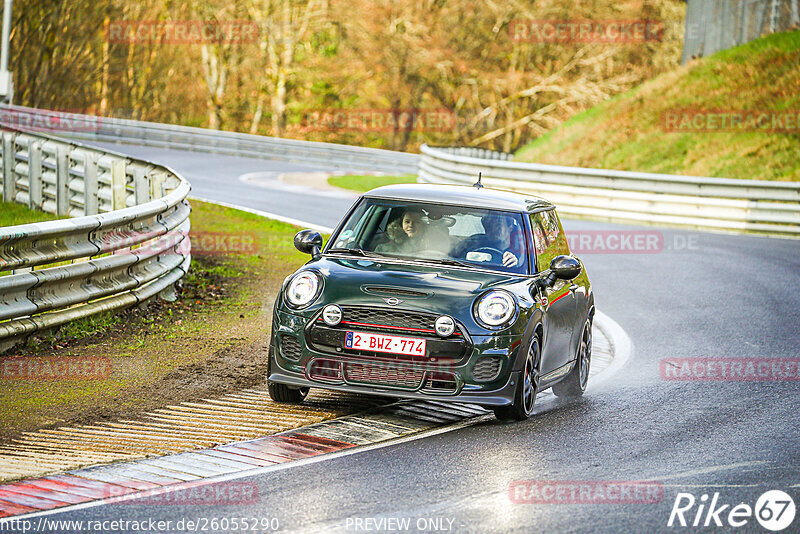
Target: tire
(282, 392)
(574, 384)
(527, 388)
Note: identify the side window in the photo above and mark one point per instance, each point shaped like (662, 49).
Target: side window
(549, 238)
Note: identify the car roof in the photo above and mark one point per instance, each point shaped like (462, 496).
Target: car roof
(461, 195)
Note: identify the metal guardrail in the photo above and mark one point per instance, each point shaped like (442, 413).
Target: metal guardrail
(714, 25)
(127, 242)
(109, 129)
(630, 197)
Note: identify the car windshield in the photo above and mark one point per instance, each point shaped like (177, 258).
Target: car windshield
(435, 233)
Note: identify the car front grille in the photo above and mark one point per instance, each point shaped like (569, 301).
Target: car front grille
(325, 370)
(388, 319)
(438, 382)
(487, 368)
(383, 374)
(290, 348)
(331, 339)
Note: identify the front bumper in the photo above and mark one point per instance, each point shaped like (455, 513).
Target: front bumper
(296, 361)
(499, 397)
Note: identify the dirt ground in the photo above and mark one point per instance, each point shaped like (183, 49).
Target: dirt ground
(212, 340)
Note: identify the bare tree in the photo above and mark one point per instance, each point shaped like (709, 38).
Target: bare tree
(285, 25)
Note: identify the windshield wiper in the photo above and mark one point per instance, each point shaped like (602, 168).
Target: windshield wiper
(369, 253)
(451, 261)
(354, 251)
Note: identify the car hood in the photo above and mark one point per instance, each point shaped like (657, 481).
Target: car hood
(421, 287)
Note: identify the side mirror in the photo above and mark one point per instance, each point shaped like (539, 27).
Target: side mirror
(565, 268)
(308, 242)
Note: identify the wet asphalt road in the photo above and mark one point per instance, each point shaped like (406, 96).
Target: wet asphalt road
(704, 295)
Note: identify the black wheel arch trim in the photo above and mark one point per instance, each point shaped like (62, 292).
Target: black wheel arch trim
(535, 328)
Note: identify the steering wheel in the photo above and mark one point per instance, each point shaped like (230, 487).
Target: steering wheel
(497, 254)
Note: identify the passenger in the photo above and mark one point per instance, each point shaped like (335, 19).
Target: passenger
(414, 235)
(416, 231)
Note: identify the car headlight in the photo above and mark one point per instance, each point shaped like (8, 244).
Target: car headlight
(302, 289)
(495, 308)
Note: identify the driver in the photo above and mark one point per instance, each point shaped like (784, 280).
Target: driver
(497, 236)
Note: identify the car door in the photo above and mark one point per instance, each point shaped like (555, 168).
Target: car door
(558, 302)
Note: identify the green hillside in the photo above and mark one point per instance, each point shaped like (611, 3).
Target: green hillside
(636, 130)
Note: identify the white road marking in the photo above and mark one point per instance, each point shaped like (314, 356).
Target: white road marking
(621, 347)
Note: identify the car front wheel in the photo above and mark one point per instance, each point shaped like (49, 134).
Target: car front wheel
(574, 384)
(282, 392)
(527, 388)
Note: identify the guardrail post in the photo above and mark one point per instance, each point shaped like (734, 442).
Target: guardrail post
(90, 200)
(9, 159)
(118, 192)
(156, 185)
(62, 179)
(141, 190)
(35, 172)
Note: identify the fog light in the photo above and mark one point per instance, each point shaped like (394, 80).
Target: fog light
(332, 314)
(445, 326)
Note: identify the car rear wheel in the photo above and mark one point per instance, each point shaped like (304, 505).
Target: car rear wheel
(282, 392)
(574, 384)
(527, 388)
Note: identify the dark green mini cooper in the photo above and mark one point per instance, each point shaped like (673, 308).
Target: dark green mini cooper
(437, 292)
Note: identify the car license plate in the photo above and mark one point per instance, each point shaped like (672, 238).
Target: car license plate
(412, 346)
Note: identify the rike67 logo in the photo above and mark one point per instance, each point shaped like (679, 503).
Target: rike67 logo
(774, 510)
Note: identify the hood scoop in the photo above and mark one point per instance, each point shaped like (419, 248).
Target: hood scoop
(395, 292)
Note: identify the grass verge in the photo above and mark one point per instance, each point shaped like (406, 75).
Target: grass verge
(12, 214)
(362, 183)
(211, 341)
(631, 132)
